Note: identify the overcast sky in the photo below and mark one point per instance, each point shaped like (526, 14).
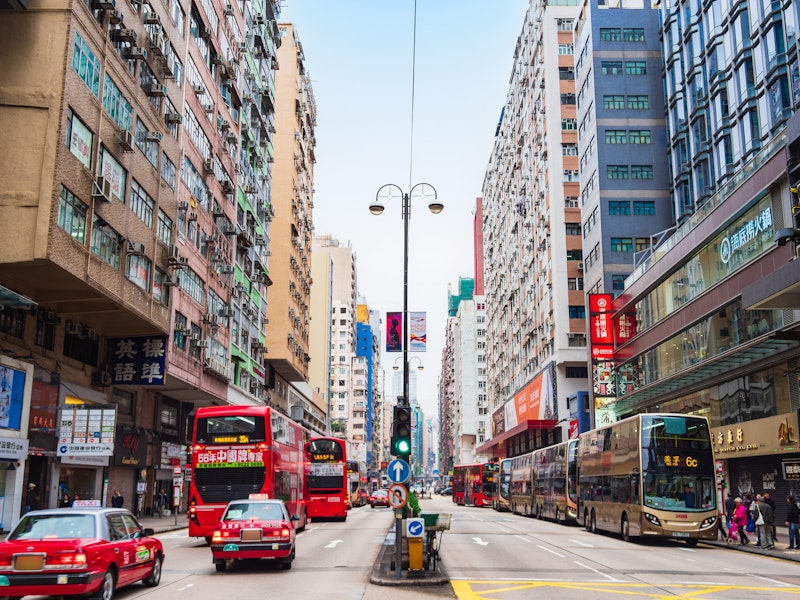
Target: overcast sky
(360, 57)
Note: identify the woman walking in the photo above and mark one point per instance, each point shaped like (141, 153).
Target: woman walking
(740, 518)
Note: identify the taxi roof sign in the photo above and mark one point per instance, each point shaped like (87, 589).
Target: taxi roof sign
(258, 497)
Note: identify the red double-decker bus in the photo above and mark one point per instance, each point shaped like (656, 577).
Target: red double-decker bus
(327, 494)
(243, 450)
(476, 484)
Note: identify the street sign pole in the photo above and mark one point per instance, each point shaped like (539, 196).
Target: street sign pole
(398, 541)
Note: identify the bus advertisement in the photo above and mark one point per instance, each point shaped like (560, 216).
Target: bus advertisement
(242, 450)
(649, 475)
(326, 478)
(475, 485)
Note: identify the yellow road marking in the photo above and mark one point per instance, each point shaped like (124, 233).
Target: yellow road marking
(464, 589)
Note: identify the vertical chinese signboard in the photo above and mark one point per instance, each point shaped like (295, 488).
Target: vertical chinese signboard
(602, 348)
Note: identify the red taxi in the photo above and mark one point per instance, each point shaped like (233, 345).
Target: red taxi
(68, 551)
(254, 528)
(379, 498)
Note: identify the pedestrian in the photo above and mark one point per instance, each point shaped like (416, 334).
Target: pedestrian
(65, 502)
(31, 498)
(793, 523)
(764, 519)
(771, 503)
(740, 518)
(117, 500)
(74, 498)
(730, 505)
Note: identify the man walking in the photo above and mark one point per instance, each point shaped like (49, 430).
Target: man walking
(765, 519)
(771, 503)
(31, 498)
(793, 523)
(730, 506)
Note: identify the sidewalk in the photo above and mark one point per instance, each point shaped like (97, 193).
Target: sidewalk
(779, 551)
(163, 524)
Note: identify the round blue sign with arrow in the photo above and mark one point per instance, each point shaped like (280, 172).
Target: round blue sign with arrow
(398, 471)
(415, 527)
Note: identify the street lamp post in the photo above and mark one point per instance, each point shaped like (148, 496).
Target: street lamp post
(425, 191)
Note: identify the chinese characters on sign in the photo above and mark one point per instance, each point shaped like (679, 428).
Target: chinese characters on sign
(604, 378)
(138, 361)
(240, 457)
(85, 431)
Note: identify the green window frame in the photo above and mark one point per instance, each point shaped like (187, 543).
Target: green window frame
(619, 207)
(614, 102)
(621, 244)
(610, 34)
(611, 67)
(577, 312)
(632, 34)
(616, 171)
(86, 65)
(641, 102)
(644, 207)
(641, 171)
(639, 136)
(616, 136)
(116, 105)
(635, 67)
(72, 215)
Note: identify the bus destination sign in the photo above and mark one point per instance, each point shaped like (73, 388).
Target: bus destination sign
(231, 439)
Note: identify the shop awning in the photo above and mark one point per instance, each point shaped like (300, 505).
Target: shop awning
(521, 428)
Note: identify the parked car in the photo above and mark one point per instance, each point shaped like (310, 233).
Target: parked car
(78, 551)
(254, 528)
(448, 491)
(379, 498)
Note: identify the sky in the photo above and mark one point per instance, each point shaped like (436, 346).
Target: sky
(370, 86)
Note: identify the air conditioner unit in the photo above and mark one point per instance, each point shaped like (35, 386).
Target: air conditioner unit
(208, 166)
(253, 387)
(217, 59)
(153, 136)
(201, 343)
(209, 108)
(227, 312)
(101, 189)
(105, 4)
(206, 32)
(74, 328)
(136, 53)
(158, 89)
(169, 281)
(231, 137)
(152, 18)
(227, 83)
(229, 10)
(172, 117)
(126, 140)
(174, 253)
(580, 266)
(198, 89)
(135, 249)
(192, 216)
(114, 16)
(210, 318)
(225, 124)
(125, 35)
(157, 44)
(228, 269)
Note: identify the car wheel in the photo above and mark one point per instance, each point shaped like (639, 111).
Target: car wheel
(155, 575)
(208, 540)
(221, 566)
(286, 565)
(107, 587)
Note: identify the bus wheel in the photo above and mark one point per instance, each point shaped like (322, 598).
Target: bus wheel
(692, 542)
(558, 520)
(626, 528)
(594, 523)
(587, 523)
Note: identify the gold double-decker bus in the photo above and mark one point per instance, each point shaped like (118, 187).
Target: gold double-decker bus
(649, 475)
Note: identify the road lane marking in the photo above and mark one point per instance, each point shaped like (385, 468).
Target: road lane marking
(775, 581)
(550, 551)
(580, 543)
(478, 540)
(609, 577)
(523, 538)
(334, 543)
(186, 587)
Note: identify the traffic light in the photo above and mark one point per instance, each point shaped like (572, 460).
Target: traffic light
(401, 432)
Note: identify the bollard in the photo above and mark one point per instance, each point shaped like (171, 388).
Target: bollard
(415, 554)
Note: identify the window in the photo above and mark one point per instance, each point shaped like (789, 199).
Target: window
(573, 228)
(569, 124)
(192, 284)
(614, 102)
(618, 282)
(638, 102)
(572, 175)
(616, 136)
(115, 104)
(72, 215)
(632, 34)
(619, 207)
(611, 67)
(641, 171)
(639, 136)
(566, 73)
(139, 271)
(79, 139)
(621, 244)
(105, 242)
(168, 171)
(577, 312)
(566, 49)
(161, 291)
(123, 400)
(574, 254)
(575, 283)
(644, 207)
(617, 171)
(86, 65)
(635, 67)
(179, 335)
(569, 149)
(643, 244)
(148, 147)
(164, 227)
(610, 34)
(141, 204)
(568, 99)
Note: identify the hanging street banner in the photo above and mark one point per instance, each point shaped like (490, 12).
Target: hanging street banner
(394, 332)
(418, 336)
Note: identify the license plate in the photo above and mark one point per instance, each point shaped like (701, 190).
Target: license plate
(230, 548)
(29, 562)
(680, 534)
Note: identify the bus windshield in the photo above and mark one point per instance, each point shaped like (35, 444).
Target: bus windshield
(677, 464)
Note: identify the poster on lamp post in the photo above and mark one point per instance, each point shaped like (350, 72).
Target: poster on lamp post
(417, 332)
(394, 332)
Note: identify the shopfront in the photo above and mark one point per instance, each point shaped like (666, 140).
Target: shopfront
(759, 456)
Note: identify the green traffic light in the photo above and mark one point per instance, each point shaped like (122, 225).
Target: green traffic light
(403, 447)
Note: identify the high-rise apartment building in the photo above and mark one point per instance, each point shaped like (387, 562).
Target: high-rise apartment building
(533, 253)
(368, 346)
(288, 311)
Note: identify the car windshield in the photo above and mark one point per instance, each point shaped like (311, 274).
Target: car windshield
(257, 511)
(42, 527)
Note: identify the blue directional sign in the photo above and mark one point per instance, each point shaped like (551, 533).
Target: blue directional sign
(398, 471)
(415, 527)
